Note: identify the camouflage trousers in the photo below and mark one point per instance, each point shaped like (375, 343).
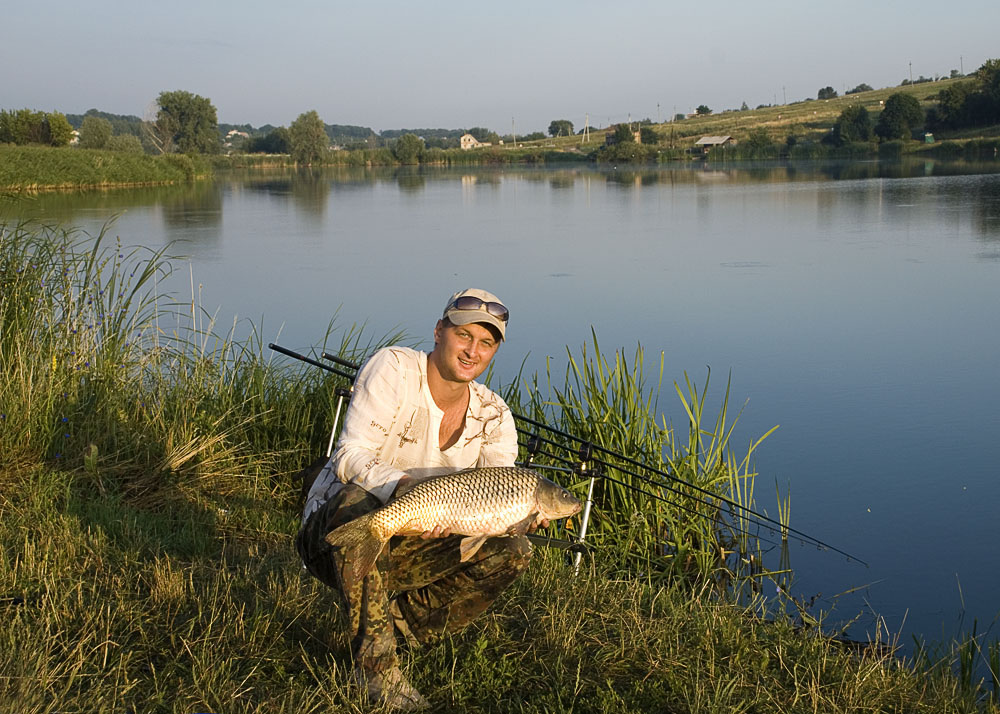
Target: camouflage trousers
(418, 591)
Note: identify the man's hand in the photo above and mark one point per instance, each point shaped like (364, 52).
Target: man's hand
(438, 532)
(541, 523)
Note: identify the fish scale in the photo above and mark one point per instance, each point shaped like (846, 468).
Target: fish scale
(477, 503)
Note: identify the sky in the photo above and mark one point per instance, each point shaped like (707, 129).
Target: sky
(510, 67)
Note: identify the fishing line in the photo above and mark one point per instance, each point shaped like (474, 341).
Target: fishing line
(769, 528)
(671, 477)
(761, 520)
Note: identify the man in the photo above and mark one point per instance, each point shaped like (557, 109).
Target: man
(414, 415)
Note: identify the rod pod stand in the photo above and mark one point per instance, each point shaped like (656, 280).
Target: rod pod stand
(584, 469)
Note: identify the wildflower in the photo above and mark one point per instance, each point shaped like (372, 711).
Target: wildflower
(64, 420)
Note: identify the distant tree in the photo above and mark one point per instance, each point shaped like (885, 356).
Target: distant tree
(702, 110)
(276, 141)
(955, 73)
(534, 136)
(23, 126)
(485, 135)
(309, 140)
(623, 134)
(759, 144)
(827, 93)
(860, 88)
(902, 114)
(679, 117)
(192, 120)
(744, 107)
(988, 77)
(975, 102)
(648, 136)
(125, 143)
(854, 124)
(408, 148)
(561, 127)
(94, 132)
(58, 128)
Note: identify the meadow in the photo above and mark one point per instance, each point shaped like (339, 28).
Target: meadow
(148, 506)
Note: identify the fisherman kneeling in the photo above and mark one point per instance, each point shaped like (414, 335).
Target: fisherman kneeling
(412, 416)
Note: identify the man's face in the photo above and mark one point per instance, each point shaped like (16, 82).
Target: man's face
(463, 352)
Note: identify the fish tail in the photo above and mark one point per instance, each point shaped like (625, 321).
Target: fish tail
(359, 543)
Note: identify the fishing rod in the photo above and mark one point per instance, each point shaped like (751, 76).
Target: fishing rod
(773, 527)
(654, 496)
(588, 446)
(802, 537)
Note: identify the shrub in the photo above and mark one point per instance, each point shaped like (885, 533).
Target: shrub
(126, 143)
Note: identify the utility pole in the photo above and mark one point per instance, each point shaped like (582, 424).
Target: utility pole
(961, 65)
(586, 128)
(512, 132)
(911, 73)
(784, 97)
(658, 113)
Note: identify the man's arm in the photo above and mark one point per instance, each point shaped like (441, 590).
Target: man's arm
(379, 391)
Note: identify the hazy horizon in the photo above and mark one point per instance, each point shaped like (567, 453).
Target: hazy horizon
(450, 65)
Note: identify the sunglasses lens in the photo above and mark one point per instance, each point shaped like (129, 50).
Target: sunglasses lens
(497, 310)
(470, 302)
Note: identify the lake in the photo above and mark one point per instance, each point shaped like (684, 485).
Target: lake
(855, 305)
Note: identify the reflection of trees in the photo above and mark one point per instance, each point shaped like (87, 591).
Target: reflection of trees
(198, 203)
(561, 180)
(986, 210)
(410, 179)
(68, 205)
(310, 190)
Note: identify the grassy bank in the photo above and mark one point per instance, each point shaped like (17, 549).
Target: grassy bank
(39, 167)
(147, 515)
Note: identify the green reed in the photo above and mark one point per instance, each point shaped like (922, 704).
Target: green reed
(39, 167)
(104, 373)
(685, 527)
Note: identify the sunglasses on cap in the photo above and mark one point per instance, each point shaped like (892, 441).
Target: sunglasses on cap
(470, 302)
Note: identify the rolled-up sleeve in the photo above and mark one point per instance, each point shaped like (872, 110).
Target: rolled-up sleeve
(378, 393)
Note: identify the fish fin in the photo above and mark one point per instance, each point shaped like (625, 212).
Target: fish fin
(471, 545)
(358, 543)
(521, 527)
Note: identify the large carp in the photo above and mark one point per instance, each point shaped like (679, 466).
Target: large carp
(476, 503)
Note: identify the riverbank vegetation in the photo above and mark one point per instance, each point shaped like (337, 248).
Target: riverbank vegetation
(29, 168)
(147, 511)
(947, 117)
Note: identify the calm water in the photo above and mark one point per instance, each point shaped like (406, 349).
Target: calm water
(855, 306)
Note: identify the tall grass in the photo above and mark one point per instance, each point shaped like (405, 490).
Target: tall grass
(37, 167)
(105, 374)
(687, 513)
(147, 517)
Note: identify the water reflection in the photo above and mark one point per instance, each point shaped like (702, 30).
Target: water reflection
(410, 179)
(193, 207)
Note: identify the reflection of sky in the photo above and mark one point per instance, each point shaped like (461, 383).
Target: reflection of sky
(859, 314)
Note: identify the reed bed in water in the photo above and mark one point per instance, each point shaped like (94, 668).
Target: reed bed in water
(147, 517)
(28, 168)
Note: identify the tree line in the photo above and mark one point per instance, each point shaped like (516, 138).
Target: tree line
(188, 123)
(965, 104)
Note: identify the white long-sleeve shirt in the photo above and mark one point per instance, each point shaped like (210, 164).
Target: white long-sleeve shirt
(392, 425)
